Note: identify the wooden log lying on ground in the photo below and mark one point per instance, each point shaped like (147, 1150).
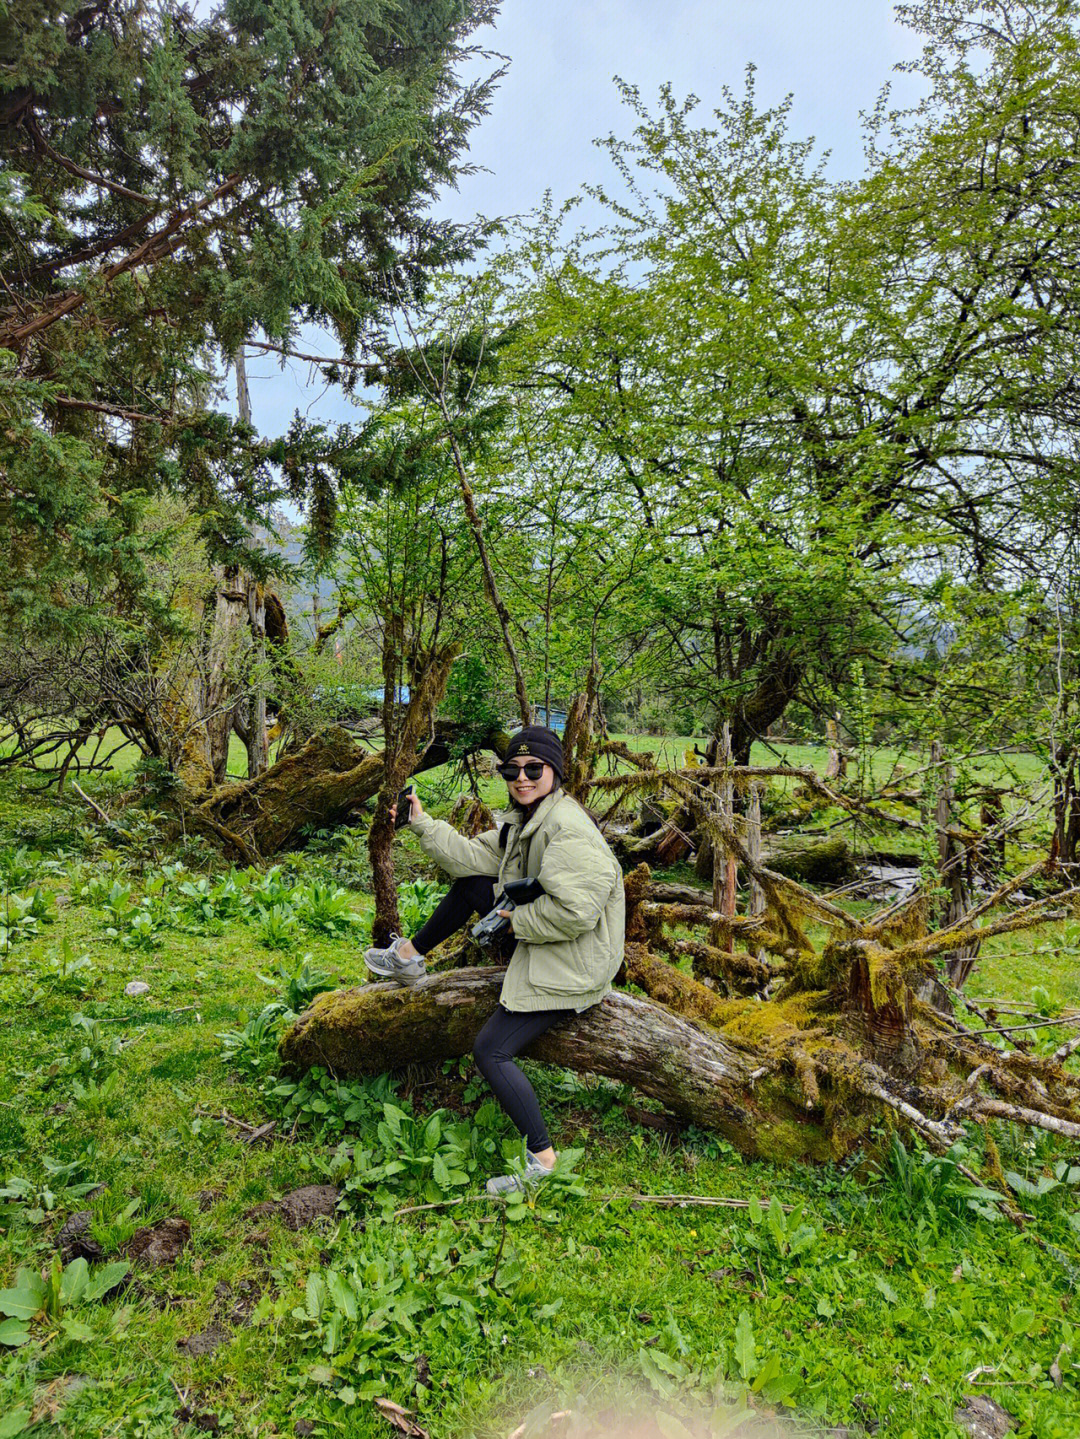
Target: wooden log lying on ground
(840, 1037)
(695, 1071)
(812, 862)
(318, 785)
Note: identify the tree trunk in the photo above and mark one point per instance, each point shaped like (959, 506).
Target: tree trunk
(836, 768)
(725, 873)
(800, 1074)
(404, 735)
(386, 920)
(753, 845)
(1066, 802)
(318, 786)
(257, 744)
(220, 680)
(491, 588)
(812, 861)
(777, 681)
(579, 736)
(695, 1072)
(951, 864)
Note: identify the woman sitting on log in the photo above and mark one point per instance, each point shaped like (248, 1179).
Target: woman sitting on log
(568, 943)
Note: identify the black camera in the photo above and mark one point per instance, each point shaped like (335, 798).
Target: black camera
(515, 892)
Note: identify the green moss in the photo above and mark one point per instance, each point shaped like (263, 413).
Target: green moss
(817, 969)
(826, 863)
(374, 1029)
(886, 980)
(779, 1020)
(783, 1141)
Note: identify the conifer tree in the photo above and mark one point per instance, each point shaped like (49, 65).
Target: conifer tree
(171, 183)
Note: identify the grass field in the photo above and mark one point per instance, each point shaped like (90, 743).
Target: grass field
(123, 754)
(868, 1309)
(885, 761)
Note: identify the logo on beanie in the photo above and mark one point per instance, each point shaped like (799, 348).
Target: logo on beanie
(523, 749)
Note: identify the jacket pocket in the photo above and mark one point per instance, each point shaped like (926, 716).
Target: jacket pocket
(560, 967)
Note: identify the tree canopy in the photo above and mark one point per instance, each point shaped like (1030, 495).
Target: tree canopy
(174, 183)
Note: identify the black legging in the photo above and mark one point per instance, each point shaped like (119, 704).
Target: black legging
(505, 1034)
(466, 897)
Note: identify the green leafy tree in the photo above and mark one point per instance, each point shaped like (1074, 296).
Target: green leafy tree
(408, 577)
(820, 398)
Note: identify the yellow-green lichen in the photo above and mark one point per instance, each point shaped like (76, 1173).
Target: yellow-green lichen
(776, 1021)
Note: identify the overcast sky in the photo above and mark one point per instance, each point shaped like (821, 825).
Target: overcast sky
(558, 97)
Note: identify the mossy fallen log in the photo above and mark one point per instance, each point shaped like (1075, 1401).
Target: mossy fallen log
(319, 786)
(700, 1074)
(834, 1038)
(811, 861)
(827, 862)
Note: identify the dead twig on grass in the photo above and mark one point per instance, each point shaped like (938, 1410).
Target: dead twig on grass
(145, 1018)
(667, 1201)
(105, 819)
(696, 1201)
(253, 1133)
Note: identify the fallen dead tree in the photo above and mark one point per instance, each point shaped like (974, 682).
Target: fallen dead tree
(330, 777)
(790, 1048)
(798, 1026)
(695, 1071)
(321, 785)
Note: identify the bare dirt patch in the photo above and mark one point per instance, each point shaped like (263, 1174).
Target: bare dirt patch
(301, 1207)
(206, 1341)
(74, 1240)
(158, 1246)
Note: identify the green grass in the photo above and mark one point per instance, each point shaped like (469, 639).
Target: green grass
(1031, 968)
(671, 750)
(123, 754)
(603, 1301)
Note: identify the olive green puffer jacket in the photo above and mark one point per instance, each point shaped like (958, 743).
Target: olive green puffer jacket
(570, 940)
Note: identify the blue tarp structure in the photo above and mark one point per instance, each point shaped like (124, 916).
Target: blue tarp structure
(557, 720)
(376, 695)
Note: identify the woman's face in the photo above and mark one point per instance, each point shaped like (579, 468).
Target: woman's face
(526, 790)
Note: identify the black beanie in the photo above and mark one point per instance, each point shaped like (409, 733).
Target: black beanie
(541, 743)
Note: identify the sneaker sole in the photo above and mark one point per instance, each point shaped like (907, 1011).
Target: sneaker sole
(406, 979)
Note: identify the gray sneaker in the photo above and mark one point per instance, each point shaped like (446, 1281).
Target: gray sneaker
(535, 1173)
(388, 963)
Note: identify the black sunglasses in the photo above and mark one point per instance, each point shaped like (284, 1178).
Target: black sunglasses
(532, 769)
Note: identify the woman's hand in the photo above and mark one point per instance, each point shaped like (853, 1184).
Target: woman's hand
(416, 809)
